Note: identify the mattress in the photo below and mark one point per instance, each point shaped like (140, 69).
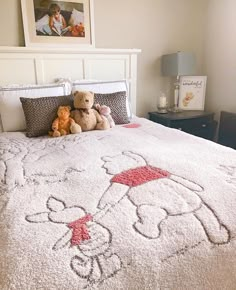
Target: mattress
(139, 206)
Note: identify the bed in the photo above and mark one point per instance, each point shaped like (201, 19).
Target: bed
(138, 206)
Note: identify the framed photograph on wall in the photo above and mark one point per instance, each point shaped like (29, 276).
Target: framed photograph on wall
(58, 23)
(192, 92)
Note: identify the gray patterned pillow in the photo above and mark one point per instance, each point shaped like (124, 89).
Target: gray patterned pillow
(40, 113)
(118, 104)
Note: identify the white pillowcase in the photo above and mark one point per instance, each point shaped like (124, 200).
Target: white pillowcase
(41, 23)
(11, 111)
(103, 87)
(76, 18)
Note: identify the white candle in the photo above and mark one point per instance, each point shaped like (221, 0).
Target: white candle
(162, 101)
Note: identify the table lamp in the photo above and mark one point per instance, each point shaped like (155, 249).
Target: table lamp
(177, 64)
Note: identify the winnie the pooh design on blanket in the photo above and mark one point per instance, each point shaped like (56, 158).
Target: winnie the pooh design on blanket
(157, 194)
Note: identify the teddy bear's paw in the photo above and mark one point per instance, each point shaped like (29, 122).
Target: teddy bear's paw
(75, 128)
(56, 134)
(63, 132)
(104, 125)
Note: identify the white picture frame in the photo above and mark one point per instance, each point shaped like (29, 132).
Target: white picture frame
(192, 90)
(78, 16)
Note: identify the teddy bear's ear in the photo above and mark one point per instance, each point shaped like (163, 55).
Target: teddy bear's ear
(91, 93)
(75, 93)
(69, 107)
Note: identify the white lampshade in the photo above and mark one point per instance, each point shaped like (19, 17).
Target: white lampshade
(178, 64)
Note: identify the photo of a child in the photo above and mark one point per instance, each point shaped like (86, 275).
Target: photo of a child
(57, 22)
(53, 21)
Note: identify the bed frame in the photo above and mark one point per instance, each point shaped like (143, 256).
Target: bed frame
(26, 65)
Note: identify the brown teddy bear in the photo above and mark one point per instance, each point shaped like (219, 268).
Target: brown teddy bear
(62, 124)
(86, 117)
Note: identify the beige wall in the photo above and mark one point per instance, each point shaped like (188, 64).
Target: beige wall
(11, 28)
(220, 56)
(156, 26)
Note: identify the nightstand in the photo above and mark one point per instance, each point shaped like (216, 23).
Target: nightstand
(198, 123)
(227, 129)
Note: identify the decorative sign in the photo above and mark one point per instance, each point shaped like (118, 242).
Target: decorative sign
(192, 92)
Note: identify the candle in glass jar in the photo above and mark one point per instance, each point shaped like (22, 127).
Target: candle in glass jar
(162, 101)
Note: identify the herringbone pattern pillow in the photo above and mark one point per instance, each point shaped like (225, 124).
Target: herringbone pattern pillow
(117, 102)
(40, 113)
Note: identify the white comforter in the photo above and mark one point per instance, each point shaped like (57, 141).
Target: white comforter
(134, 207)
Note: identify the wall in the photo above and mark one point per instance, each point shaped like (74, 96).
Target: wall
(11, 27)
(156, 26)
(220, 56)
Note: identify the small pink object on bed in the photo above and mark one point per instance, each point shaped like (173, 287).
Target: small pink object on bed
(132, 125)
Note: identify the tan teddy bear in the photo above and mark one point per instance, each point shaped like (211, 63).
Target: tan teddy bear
(62, 124)
(86, 117)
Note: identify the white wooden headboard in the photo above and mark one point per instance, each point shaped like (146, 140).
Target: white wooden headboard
(24, 65)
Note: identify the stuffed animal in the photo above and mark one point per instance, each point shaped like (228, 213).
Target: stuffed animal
(105, 112)
(78, 30)
(86, 117)
(62, 124)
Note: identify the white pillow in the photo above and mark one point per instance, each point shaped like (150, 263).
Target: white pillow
(76, 18)
(41, 23)
(104, 87)
(11, 111)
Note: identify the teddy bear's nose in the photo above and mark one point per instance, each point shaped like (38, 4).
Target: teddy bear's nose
(86, 101)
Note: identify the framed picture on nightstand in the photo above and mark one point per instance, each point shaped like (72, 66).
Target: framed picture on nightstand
(192, 92)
